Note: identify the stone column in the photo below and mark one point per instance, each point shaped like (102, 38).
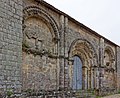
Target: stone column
(118, 67)
(63, 53)
(92, 78)
(66, 55)
(70, 74)
(85, 78)
(96, 75)
(89, 79)
(101, 58)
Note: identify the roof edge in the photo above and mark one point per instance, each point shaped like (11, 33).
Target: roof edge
(74, 20)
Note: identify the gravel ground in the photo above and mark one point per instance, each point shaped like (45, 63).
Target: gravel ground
(113, 96)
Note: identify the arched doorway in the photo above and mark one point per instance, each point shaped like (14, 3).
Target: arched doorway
(83, 69)
(77, 73)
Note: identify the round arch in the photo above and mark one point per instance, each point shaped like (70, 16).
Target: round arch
(40, 40)
(33, 11)
(110, 51)
(86, 41)
(87, 53)
(108, 56)
(109, 63)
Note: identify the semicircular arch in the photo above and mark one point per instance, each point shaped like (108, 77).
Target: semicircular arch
(86, 45)
(33, 11)
(110, 51)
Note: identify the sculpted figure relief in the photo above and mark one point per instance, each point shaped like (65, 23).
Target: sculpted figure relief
(38, 69)
(32, 37)
(38, 36)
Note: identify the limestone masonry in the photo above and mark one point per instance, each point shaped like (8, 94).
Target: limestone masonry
(44, 48)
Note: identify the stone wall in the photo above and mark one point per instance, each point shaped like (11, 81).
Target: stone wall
(10, 44)
(37, 46)
(40, 49)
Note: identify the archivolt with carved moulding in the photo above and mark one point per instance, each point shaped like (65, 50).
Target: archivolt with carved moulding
(39, 33)
(85, 48)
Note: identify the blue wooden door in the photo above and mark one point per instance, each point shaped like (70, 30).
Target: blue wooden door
(77, 73)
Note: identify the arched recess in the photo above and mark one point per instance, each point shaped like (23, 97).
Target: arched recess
(91, 46)
(109, 63)
(40, 48)
(109, 57)
(33, 11)
(88, 56)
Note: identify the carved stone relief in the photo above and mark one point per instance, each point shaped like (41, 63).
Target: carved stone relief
(39, 70)
(37, 35)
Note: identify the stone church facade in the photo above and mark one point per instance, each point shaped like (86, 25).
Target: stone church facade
(38, 44)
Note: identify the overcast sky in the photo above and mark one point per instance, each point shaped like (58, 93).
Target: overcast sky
(102, 16)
